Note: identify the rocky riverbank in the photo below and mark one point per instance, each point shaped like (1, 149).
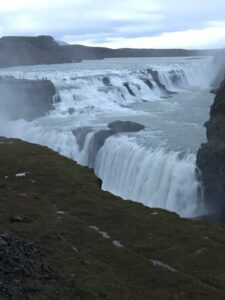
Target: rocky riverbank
(79, 242)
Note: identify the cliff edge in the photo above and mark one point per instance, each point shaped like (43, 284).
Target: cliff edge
(211, 156)
(62, 237)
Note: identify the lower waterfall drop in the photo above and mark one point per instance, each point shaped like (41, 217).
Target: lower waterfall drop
(154, 177)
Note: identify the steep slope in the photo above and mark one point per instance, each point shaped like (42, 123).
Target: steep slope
(90, 244)
(211, 156)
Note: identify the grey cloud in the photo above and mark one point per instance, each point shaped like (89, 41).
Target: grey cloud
(99, 21)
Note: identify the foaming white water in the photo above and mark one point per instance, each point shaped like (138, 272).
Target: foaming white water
(85, 92)
(154, 177)
(62, 141)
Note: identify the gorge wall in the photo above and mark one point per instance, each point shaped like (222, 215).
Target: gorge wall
(26, 99)
(211, 156)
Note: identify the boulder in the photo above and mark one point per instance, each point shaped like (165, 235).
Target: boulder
(130, 91)
(125, 126)
(162, 87)
(106, 81)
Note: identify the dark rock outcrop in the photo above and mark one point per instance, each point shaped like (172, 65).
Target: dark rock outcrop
(26, 99)
(162, 87)
(96, 143)
(125, 126)
(149, 83)
(20, 268)
(100, 137)
(211, 156)
(80, 134)
(130, 91)
(106, 81)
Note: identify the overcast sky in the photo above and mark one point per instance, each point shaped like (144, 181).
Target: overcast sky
(119, 23)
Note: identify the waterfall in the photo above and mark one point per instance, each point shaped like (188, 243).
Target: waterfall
(154, 177)
(88, 92)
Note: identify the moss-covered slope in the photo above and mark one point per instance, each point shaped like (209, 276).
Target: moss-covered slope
(97, 245)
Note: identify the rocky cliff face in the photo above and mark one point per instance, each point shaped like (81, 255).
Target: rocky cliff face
(26, 99)
(211, 156)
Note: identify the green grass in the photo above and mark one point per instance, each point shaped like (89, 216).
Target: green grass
(87, 266)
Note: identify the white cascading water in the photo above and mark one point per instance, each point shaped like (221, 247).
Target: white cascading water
(84, 92)
(155, 177)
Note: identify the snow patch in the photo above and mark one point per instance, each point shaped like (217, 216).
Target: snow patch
(21, 174)
(117, 244)
(60, 212)
(157, 263)
(104, 234)
(154, 213)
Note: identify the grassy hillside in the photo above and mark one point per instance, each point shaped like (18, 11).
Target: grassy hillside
(95, 245)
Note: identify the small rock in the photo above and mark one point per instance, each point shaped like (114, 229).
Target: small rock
(3, 242)
(16, 219)
(5, 236)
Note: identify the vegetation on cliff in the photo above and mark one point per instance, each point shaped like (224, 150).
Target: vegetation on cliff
(93, 245)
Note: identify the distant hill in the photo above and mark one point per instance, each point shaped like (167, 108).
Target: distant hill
(16, 50)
